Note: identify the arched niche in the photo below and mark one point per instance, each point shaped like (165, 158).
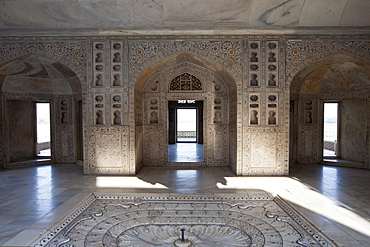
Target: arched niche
(37, 78)
(341, 78)
(153, 85)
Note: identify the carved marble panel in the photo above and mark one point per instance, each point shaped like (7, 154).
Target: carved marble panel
(219, 147)
(308, 147)
(226, 53)
(154, 145)
(108, 150)
(65, 151)
(263, 149)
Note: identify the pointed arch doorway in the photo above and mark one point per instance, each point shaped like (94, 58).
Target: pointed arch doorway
(185, 82)
(185, 131)
(56, 135)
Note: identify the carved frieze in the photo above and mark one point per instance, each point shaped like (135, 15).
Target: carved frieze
(226, 53)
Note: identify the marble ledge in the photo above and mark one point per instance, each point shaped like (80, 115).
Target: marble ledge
(7, 32)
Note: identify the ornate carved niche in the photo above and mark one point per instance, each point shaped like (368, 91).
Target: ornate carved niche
(272, 63)
(99, 63)
(116, 109)
(185, 82)
(64, 108)
(254, 109)
(153, 111)
(309, 111)
(99, 111)
(254, 63)
(116, 51)
(272, 109)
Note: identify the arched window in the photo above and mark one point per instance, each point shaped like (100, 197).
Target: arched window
(185, 82)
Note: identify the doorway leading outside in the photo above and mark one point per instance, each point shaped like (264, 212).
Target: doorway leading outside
(43, 130)
(330, 130)
(185, 131)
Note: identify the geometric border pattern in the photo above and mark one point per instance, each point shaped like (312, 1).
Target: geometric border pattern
(148, 219)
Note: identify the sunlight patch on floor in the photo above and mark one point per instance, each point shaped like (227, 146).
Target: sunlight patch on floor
(126, 182)
(292, 190)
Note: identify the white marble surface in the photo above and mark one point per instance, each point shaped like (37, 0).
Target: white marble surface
(335, 199)
(181, 14)
(319, 11)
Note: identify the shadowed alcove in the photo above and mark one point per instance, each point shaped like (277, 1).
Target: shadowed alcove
(338, 78)
(30, 81)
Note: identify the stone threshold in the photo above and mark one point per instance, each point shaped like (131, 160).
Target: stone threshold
(33, 162)
(344, 163)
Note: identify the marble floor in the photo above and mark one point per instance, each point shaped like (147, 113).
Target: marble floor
(335, 199)
(186, 152)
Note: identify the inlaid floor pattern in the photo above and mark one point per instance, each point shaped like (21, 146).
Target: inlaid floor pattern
(152, 220)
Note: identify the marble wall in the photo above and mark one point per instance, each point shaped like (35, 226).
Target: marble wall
(248, 80)
(21, 136)
(353, 129)
(331, 72)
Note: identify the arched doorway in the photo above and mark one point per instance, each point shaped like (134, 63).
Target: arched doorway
(27, 83)
(342, 79)
(185, 82)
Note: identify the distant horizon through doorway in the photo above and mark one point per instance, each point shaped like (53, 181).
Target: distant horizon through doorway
(43, 136)
(330, 135)
(185, 131)
(186, 125)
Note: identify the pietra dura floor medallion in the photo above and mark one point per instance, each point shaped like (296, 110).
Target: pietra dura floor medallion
(183, 220)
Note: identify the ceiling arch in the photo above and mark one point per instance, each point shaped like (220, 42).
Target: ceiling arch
(38, 74)
(336, 73)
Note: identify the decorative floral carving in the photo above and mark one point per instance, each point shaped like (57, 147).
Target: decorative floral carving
(226, 53)
(205, 221)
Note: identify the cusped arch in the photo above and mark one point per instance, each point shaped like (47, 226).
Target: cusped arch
(199, 76)
(185, 82)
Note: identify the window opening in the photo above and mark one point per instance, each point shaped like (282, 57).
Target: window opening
(330, 130)
(43, 129)
(185, 82)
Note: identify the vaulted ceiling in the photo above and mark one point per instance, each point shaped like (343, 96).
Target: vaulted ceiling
(212, 16)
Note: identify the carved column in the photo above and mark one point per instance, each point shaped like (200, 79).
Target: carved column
(266, 110)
